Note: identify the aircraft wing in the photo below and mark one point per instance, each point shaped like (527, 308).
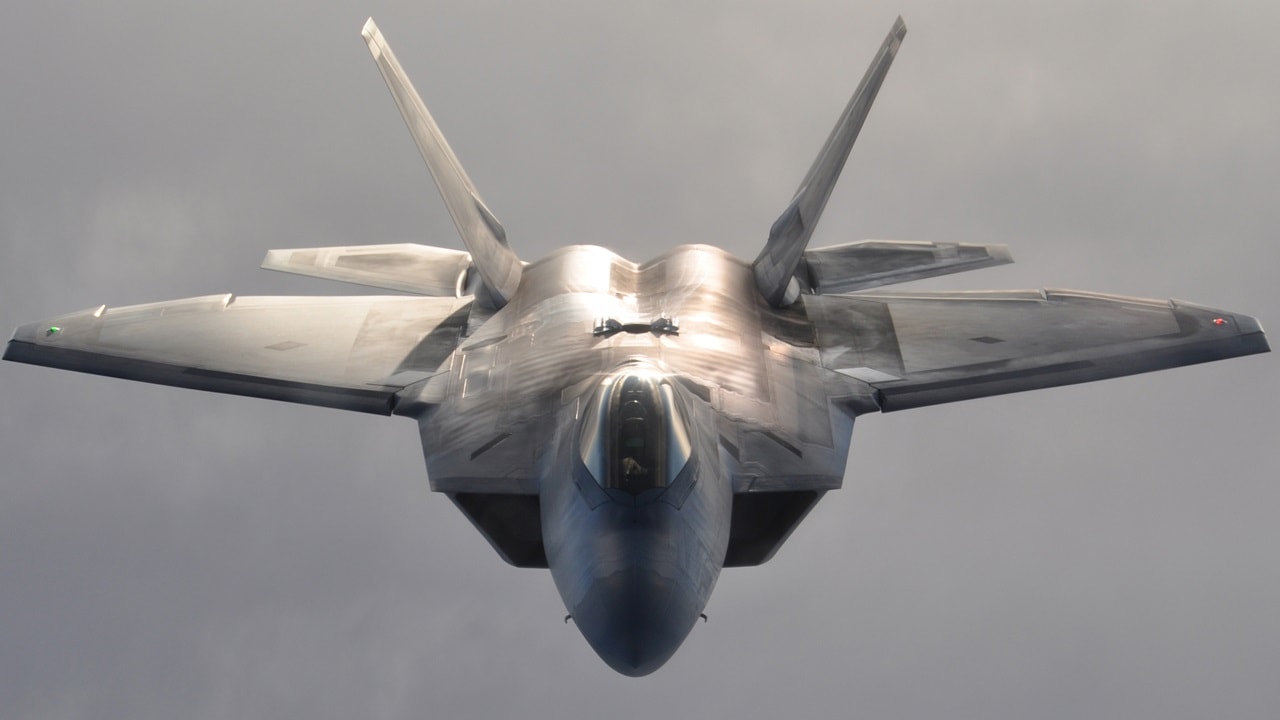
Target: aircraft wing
(924, 349)
(353, 353)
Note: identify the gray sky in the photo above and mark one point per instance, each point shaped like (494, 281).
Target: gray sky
(1106, 550)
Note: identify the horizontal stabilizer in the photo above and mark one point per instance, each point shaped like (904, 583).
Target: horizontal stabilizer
(929, 348)
(418, 269)
(352, 353)
(873, 263)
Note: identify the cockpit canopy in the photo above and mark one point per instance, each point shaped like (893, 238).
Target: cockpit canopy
(634, 436)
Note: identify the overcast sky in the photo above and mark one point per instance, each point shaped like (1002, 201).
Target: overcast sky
(1104, 550)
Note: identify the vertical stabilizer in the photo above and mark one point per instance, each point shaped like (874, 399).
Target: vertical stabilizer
(776, 266)
(483, 235)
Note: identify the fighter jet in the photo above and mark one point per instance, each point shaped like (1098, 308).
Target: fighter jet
(636, 427)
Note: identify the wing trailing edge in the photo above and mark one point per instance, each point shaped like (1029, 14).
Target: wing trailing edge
(499, 267)
(776, 265)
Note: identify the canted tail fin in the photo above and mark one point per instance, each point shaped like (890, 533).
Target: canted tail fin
(484, 236)
(775, 268)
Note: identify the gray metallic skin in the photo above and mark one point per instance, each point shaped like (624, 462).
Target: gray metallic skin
(635, 428)
(635, 571)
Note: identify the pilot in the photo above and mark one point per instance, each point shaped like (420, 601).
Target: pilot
(631, 468)
(632, 431)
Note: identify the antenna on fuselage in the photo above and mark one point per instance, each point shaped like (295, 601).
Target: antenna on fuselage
(481, 232)
(776, 266)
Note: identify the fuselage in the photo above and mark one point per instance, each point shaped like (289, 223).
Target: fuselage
(618, 393)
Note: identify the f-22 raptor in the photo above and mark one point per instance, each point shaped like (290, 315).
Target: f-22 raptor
(636, 427)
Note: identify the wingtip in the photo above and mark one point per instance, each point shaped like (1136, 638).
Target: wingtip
(1246, 327)
(1249, 325)
(54, 330)
(23, 333)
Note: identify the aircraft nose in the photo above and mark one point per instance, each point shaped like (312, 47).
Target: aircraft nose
(636, 618)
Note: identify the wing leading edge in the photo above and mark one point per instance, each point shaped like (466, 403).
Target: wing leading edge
(930, 348)
(352, 353)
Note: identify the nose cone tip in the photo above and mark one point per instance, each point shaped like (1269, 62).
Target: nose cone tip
(637, 660)
(636, 620)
